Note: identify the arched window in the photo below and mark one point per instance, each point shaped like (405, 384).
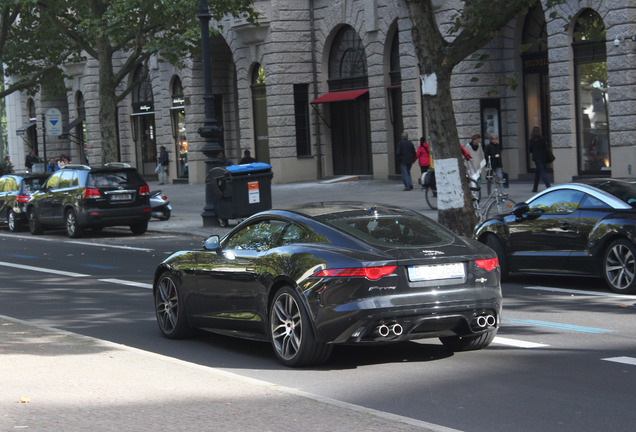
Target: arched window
(536, 76)
(590, 72)
(347, 61)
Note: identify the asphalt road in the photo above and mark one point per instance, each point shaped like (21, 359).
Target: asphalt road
(564, 359)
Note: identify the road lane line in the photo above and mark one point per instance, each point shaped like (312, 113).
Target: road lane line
(623, 360)
(129, 283)
(559, 326)
(581, 292)
(42, 270)
(518, 343)
(85, 243)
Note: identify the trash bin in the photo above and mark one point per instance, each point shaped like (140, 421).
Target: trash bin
(239, 191)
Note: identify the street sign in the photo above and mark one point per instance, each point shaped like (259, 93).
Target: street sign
(53, 122)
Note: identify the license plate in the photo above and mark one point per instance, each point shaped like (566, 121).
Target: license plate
(436, 272)
(121, 197)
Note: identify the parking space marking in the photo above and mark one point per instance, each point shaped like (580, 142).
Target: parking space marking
(623, 360)
(128, 283)
(581, 292)
(42, 270)
(517, 343)
(561, 326)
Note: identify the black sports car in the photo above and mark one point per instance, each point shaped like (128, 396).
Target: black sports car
(333, 273)
(585, 228)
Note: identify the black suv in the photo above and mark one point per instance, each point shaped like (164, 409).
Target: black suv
(15, 190)
(79, 197)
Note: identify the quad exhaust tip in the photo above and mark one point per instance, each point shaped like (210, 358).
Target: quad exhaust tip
(484, 321)
(385, 330)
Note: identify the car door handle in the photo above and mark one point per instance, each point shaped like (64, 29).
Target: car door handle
(565, 226)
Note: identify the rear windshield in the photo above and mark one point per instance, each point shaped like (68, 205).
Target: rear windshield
(31, 184)
(403, 230)
(623, 191)
(114, 179)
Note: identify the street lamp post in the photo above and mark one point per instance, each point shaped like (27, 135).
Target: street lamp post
(210, 130)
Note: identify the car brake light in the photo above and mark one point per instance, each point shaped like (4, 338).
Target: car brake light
(144, 190)
(372, 273)
(22, 199)
(487, 264)
(91, 193)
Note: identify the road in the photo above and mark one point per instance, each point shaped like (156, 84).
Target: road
(564, 359)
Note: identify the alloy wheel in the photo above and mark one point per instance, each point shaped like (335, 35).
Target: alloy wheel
(286, 326)
(11, 221)
(620, 266)
(167, 305)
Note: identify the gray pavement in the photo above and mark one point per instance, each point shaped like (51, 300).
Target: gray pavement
(51, 380)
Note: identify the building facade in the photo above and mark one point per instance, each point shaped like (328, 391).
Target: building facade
(325, 88)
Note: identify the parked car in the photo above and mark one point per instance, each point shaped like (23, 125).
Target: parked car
(15, 190)
(79, 197)
(584, 228)
(322, 274)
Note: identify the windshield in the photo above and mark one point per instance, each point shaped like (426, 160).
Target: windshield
(114, 179)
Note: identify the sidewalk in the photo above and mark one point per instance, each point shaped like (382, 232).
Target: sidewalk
(51, 380)
(188, 200)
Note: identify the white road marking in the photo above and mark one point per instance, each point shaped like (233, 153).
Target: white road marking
(42, 270)
(85, 243)
(518, 343)
(623, 360)
(129, 283)
(581, 292)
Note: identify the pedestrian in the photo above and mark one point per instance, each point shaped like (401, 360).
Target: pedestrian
(31, 159)
(247, 158)
(162, 164)
(63, 161)
(52, 165)
(493, 158)
(405, 153)
(224, 160)
(539, 150)
(7, 166)
(423, 155)
(477, 161)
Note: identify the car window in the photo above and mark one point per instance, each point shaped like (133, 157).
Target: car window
(622, 190)
(66, 179)
(562, 201)
(2, 184)
(10, 185)
(53, 180)
(261, 235)
(590, 202)
(294, 233)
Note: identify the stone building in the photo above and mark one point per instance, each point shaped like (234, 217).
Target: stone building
(325, 88)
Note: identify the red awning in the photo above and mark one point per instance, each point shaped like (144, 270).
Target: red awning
(340, 96)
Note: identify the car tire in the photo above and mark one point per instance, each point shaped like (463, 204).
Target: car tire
(12, 223)
(169, 308)
(468, 343)
(493, 242)
(34, 223)
(73, 229)
(619, 266)
(291, 333)
(139, 228)
(165, 215)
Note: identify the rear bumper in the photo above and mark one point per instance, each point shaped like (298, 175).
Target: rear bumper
(114, 217)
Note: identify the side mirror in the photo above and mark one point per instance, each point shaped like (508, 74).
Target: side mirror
(212, 243)
(520, 209)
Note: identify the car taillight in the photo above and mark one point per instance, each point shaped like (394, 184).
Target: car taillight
(372, 273)
(144, 190)
(91, 193)
(487, 264)
(22, 199)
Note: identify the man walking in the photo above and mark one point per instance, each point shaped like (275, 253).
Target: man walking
(405, 153)
(162, 164)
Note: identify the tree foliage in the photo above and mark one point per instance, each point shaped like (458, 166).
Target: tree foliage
(475, 24)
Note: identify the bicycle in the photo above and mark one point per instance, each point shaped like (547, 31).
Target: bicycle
(497, 202)
(429, 185)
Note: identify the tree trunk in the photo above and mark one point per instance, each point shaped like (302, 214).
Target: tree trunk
(454, 201)
(107, 106)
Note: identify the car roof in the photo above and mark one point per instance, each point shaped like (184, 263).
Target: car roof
(592, 186)
(26, 174)
(114, 166)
